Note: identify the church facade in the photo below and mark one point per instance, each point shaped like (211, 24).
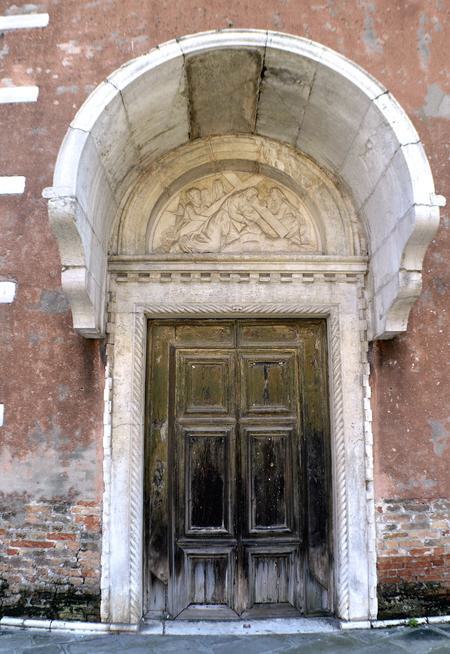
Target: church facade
(224, 304)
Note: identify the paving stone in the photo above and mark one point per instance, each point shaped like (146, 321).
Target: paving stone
(385, 647)
(303, 639)
(190, 644)
(134, 644)
(44, 649)
(58, 637)
(254, 645)
(143, 648)
(10, 642)
(424, 640)
(328, 644)
(369, 636)
(421, 640)
(442, 626)
(106, 644)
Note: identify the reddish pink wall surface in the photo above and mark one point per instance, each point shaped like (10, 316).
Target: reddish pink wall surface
(52, 378)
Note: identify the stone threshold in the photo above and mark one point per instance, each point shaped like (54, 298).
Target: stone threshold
(277, 626)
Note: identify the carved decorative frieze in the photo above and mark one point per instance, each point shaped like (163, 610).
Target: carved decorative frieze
(264, 277)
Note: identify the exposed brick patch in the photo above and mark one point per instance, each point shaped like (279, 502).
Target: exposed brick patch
(413, 557)
(35, 544)
(50, 558)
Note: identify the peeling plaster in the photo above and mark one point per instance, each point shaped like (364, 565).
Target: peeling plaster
(62, 90)
(63, 392)
(16, 10)
(98, 3)
(72, 48)
(277, 21)
(437, 103)
(372, 42)
(415, 484)
(440, 436)
(4, 52)
(53, 302)
(45, 469)
(424, 41)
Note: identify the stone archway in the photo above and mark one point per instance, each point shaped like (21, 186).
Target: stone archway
(290, 89)
(314, 125)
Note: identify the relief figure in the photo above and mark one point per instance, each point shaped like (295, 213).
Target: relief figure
(244, 217)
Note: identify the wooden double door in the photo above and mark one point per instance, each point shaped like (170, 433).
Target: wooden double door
(237, 483)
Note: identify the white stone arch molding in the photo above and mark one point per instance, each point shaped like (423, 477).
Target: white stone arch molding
(246, 81)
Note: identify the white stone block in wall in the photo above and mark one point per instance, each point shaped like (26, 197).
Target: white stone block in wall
(369, 155)
(12, 185)
(23, 21)
(159, 119)
(12, 94)
(283, 95)
(334, 101)
(7, 292)
(108, 133)
(2, 413)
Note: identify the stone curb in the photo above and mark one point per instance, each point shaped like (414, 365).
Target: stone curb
(107, 627)
(382, 624)
(67, 625)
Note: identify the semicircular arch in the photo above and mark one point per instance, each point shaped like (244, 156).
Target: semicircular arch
(282, 87)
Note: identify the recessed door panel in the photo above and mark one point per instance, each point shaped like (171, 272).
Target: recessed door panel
(204, 384)
(272, 576)
(260, 334)
(270, 495)
(267, 383)
(207, 480)
(206, 334)
(209, 577)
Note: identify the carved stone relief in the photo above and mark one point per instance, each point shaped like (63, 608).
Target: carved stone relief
(234, 212)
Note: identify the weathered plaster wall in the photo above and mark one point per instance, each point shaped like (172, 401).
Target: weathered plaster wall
(51, 379)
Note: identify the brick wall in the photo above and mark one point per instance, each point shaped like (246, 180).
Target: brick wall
(49, 558)
(413, 557)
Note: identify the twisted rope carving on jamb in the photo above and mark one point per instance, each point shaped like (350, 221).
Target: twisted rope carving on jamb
(342, 571)
(136, 468)
(339, 481)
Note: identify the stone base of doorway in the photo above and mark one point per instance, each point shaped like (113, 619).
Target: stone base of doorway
(280, 626)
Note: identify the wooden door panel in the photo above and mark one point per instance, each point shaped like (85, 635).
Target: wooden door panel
(266, 333)
(208, 468)
(270, 494)
(206, 334)
(317, 471)
(267, 383)
(272, 575)
(156, 489)
(204, 463)
(204, 383)
(209, 577)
